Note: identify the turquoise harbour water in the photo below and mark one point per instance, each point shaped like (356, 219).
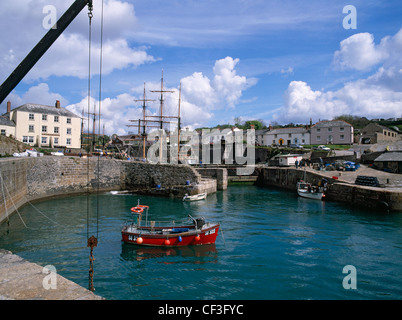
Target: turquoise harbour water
(275, 245)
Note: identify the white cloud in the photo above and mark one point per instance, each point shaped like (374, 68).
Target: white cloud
(68, 56)
(287, 71)
(377, 96)
(227, 83)
(115, 113)
(198, 90)
(39, 94)
(358, 52)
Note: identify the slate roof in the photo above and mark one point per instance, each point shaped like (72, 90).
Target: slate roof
(261, 132)
(332, 123)
(5, 121)
(39, 108)
(288, 130)
(390, 156)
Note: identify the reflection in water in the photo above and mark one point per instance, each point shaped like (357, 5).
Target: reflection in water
(199, 254)
(310, 205)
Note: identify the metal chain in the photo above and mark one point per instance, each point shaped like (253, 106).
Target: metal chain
(92, 242)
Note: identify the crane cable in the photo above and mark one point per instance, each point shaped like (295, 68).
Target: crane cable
(92, 241)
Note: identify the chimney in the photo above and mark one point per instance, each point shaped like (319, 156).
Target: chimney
(8, 106)
(270, 127)
(57, 104)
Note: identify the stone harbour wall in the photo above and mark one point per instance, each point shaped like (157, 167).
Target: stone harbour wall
(28, 179)
(49, 176)
(381, 199)
(219, 174)
(13, 185)
(141, 174)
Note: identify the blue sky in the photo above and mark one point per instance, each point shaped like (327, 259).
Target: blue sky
(282, 61)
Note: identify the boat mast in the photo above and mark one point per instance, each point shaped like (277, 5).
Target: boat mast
(144, 121)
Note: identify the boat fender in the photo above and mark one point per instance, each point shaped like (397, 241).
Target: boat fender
(167, 242)
(180, 239)
(139, 240)
(197, 238)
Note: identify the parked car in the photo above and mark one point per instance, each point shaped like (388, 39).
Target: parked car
(297, 146)
(322, 147)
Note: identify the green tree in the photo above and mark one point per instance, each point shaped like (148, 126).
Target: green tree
(258, 124)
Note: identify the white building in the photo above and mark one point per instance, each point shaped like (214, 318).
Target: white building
(289, 159)
(45, 126)
(286, 136)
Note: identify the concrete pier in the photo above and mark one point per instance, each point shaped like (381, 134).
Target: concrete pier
(23, 280)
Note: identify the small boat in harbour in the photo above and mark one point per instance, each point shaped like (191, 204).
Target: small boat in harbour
(168, 234)
(196, 197)
(306, 190)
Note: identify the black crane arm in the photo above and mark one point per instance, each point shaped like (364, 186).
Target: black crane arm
(43, 45)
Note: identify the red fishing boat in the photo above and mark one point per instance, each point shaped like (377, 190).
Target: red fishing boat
(168, 234)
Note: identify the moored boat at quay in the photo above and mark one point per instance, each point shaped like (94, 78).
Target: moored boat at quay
(306, 190)
(169, 233)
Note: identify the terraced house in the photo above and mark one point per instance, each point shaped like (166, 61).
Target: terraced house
(332, 132)
(286, 136)
(45, 126)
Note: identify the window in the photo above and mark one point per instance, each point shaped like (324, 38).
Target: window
(342, 137)
(44, 140)
(273, 141)
(56, 129)
(289, 135)
(342, 129)
(31, 128)
(69, 131)
(44, 128)
(318, 138)
(56, 141)
(3, 132)
(318, 130)
(329, 129)
(44, 117)
(276, 136)
(68, 120)
(31, 139)
(56, 118)
(68, 141)
(31, 116)
(25, 139)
